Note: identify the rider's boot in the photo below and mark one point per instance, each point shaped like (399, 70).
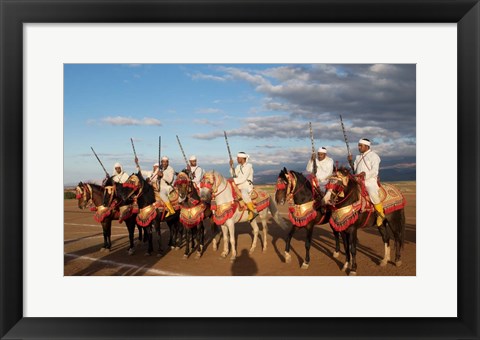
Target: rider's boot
(380, 214)
(252, 212)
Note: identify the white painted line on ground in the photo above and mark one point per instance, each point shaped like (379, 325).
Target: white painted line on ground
(92, 225)
(124, 265)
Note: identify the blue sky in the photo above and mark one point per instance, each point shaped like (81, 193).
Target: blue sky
(265, 110)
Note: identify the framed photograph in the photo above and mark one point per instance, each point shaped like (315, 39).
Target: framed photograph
(42, 42)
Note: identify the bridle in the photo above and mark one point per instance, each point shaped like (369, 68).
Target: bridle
(337, 187)
(83, 192)
(211, 184)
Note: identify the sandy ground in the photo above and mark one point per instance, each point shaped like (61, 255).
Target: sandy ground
(83, 239)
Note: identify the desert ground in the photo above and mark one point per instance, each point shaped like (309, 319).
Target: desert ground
(83, 239)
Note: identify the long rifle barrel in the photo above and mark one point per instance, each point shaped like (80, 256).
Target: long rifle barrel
(133, 147)
(345, 135)
(183, 152)
(99, 161)
(229, 153)
(313, 150)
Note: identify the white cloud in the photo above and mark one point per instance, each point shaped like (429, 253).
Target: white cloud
(126, 121)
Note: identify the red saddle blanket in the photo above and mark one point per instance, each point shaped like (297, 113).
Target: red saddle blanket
(391, 197)
(260, 199)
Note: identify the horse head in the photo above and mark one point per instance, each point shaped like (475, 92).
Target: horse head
(183, 185)
(82, 194)
(337, 184)
(209, 185)
(282, 186)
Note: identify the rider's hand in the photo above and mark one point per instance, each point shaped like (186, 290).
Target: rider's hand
(313, 156)
(350, 158)
(231, 162)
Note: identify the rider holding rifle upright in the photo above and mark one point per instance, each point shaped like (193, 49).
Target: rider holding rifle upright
(166, 175)
(324, 165)
(366, 165)
(243, 178)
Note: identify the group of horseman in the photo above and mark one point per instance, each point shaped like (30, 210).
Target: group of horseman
(365, 166)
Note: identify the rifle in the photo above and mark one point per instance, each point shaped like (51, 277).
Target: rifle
(346, 142)
(313, 151)
(184, 157)
(100, 162)
(229, 154)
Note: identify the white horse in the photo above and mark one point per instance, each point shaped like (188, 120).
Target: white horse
(215, 187)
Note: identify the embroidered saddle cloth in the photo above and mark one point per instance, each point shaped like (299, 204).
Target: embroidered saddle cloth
(191, 217)
(391, 197)
(260, 199)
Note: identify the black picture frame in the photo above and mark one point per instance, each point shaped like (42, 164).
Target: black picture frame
(13, 14)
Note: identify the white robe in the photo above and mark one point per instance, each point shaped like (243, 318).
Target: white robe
(324, 170)
(369, 162)
(244, 180)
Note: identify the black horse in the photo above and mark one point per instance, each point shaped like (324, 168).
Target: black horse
(192, 214)
(91, 196)
(151, 213)
(344, 191)
(305, 209)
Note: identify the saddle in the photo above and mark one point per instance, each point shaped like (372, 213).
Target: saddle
(391, 198)
(260, 199)
(191, 217)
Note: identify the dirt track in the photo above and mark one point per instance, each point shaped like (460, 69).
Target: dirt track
(83, 239)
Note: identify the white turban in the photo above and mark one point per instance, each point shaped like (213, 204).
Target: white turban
(193, 158)
(364, 142)
(243, 155)
(322, 150)
(164, 158)
(117, 165)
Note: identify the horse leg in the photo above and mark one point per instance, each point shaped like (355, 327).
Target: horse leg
(131, 235)
(148, 231)
(386, 241)
(288, 257)
(265, 231)
(200, 240)
(225, 241)
(105, 238)
(336, 234)
(215, 231)
(353, 250)
(231, 230)
(107, 235)
(188, 236)
(346, 246)
(308, 242)
(255, 236)
(158, 230)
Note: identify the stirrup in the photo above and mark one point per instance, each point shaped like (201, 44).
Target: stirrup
(254, 215)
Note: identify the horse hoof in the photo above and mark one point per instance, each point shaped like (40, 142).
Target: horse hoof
(185, 256)
(198, 255)
(353, 273)
(103, 249)
(176, 248)
(336, 254)
(305, 265)
(251, 251)
(232, 259)
(398, 263)
(264, 250)
(223, 255)
(383, 263)
(131, 251)
(288, 258)
(345, 267)
(159, 255)
(147, 254)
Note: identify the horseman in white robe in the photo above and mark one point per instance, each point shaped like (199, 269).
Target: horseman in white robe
(324, 167)
(195, 170)
(150, 176)
(244, 180)
(166, 175)
(367, 164)
(119, 176)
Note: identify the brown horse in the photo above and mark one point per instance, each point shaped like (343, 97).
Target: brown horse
(95, 197)
(353, 210)
(305, 209)
(193, 214)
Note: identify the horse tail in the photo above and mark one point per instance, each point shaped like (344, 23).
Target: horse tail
(402, 228)
(275, 213)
